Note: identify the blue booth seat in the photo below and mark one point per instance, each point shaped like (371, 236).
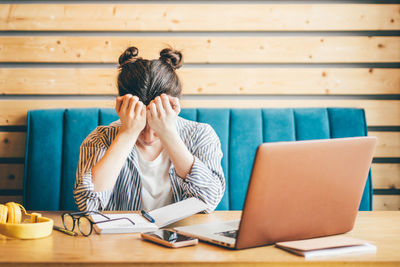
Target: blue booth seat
(55, 135)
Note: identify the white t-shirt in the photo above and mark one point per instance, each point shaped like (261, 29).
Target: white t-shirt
(156, 185)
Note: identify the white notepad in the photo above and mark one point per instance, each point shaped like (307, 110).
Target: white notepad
(162, 216)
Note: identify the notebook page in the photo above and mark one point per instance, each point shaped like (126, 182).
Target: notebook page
(177, 211)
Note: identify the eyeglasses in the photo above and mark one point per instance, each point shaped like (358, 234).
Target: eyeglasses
(85, 225)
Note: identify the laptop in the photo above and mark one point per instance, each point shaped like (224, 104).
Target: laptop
(297, 190)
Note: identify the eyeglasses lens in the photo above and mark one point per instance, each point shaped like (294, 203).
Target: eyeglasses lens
(68, 222)
(85, 226)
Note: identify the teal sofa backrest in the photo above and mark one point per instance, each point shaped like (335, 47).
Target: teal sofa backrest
(55, 135)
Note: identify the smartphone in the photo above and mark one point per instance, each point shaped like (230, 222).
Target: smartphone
(170, 239)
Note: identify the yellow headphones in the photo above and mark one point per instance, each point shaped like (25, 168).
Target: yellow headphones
(11, 226)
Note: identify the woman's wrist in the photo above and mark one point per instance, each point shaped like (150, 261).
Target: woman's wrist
(181, 157)
(168, 135)
(129, 131)
(128, 137)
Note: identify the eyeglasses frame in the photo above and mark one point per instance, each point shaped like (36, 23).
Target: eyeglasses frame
(77, 215)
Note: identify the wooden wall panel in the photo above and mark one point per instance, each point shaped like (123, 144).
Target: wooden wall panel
(378, 112)
(386, 176)
(12, 144)
(386, 202)
(12, 176)
(209, 80)
(297, 81)
(54, 81)
(231, 33)
(199, 17)
(5, 199)
(245, 49)
(388, 144)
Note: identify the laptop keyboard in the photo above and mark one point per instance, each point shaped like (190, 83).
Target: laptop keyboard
(231, 233)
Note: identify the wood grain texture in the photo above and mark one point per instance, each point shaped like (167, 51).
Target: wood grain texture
(378, 112)
(12, 144)
(386, 175)
(386, 202)
(208, 81)
(388, 144)
(11, 176)
(380, 228)
(17, 109)
(244, 49)
(5, 199)
(58, 81)
(199, 17)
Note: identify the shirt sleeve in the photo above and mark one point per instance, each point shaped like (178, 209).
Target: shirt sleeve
(206, 180)
(92, 150)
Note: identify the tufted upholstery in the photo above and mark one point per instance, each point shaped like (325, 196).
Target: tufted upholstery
(54, 137)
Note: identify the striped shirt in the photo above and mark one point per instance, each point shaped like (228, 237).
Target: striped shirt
(205, 181)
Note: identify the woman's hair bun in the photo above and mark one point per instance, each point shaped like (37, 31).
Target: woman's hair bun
(130, 55)
(172, 57)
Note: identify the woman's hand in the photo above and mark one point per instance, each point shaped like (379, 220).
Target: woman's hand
(161, 114)
(132, 114)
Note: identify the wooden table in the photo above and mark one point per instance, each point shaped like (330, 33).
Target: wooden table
(380, 227)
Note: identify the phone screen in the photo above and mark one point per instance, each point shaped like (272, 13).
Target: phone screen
(169, 236)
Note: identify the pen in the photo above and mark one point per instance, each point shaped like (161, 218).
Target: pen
(147, 216)
(65, 231)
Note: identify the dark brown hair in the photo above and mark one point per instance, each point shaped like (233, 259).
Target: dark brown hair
(149, 78)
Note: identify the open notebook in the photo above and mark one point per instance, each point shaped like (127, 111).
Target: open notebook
(162, 216)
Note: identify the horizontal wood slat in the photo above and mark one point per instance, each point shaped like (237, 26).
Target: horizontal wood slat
(12, 144)
(378, 112)
(12, 176)
(244, 49)
(386, 175)
(207, 81)
(199, 17)
(388, 144)
(386, 202)
(5, 199)
(64, 81)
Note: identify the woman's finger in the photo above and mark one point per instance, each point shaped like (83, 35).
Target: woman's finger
(143, 111)
(166, 103)
(148, 113)
(176, 106)
(138, 108)
(159, 106)
(153, 110)
(125, 103)
(131, 106)
(118, 104)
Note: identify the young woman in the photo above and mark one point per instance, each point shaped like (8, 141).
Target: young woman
(150, 157)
